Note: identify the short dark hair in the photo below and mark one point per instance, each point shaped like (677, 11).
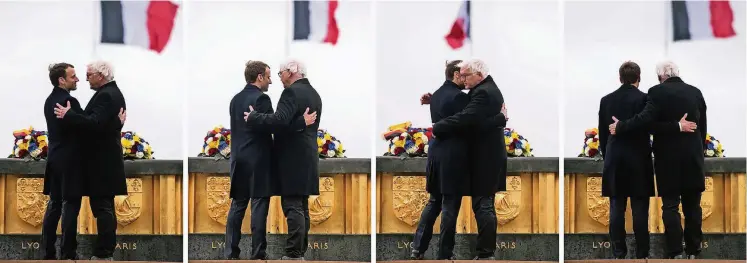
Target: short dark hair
(254, 68)
(451, 67)
(630, 72)
(57, 71)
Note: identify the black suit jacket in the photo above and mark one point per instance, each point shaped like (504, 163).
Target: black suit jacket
(252, 146)
(678, 162)
(62, 173)
(103, 165)
(483, 117)
(297, 154)
(628, 169)
(447, 171)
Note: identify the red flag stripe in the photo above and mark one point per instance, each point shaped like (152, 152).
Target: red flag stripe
(332, 31)
(722, 18)
(161, 15)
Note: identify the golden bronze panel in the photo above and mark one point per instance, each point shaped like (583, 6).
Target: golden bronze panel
(128, 207)
(31, 203)
(410, 198)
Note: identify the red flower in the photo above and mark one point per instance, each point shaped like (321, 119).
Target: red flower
(399, 150)
(22, 153)
(593, 152)
(212, 151)
(133, 150)
(595, 139)
(511, 146)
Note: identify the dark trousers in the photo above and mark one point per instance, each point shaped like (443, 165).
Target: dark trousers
(693, 232)
(106, 223)
(296, 210)
(449, 213)
(260, 208)
(49, 228)
(70, 211)
(448, 206)
(639, 205)
(487, 224)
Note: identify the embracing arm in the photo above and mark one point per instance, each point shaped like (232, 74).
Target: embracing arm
(101, 112)
(640, 120)
(264, 106)
(471, 115)
(703, 123)
(282, 118)
(603, 126)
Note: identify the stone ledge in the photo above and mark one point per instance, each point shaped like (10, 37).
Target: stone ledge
(653, 261)
(459, 261)
(712, 165)
(326, 166)
(596, 246)
(132, 168)
(16, 247)
(388, 164)
(325, 247)
(523, 247)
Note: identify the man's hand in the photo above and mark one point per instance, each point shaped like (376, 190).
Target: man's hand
(504, 111)
(309, 118)
(246, 114)
(613, 126)
(425, 99)
(61, 111)
(687, 126)
(122, 115)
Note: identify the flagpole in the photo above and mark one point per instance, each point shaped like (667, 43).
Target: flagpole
(289, 29)
(96, 28)
(667, 31)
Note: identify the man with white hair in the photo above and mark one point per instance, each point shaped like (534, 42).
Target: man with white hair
(296, 152)
(678, 165)
(103, 174)
(488, 154)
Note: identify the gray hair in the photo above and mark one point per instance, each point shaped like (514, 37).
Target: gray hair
(294, 66)
(104, 68)
(475, 65)
(667, 69)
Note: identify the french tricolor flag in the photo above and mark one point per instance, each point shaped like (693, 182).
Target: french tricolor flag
(315, 21)
(702, 20)
(147, 24)
(461, 27)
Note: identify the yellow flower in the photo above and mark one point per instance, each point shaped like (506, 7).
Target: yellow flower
(514, 135)
(126, 143)
(719, 148)
(399, 143)
(213, 144)
(594, 145)
(508, 140)
(23, 146)
(327, 137)
(319, 142)
(136, 138)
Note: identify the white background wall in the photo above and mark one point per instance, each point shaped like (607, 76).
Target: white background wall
(599, 36)
(520, 42)
(36, 34)
(222, 36)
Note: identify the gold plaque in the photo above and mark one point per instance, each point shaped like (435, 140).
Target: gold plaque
(30, 202)
(508, 203)
(127, 207)
(597, 205)
(320, 206)
(410, 198)
(218, 189)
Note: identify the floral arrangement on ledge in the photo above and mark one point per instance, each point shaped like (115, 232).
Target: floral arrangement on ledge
(135, 147)
(516, 145)
(328, 145)
(591, 144)
(217, 143)
(30, 144)
(406, 141)
(713, 147)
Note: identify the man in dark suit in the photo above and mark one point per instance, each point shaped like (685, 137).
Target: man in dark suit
(297, 155)
(251, 162)
(447, 171)
(678, 163)
(103, 172)
(487, 148)
(62, 164)
(628, 171)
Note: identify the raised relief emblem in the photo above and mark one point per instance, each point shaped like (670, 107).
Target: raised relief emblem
(127, 207)
(410, 198)
(508, 203)
(597, 205)
(320, 206)
(218, 189)
(31, 203)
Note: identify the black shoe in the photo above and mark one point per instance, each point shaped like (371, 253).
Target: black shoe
(690, 257)
(291, 258)
(416, 255)
(487, 258)
(678, 257)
